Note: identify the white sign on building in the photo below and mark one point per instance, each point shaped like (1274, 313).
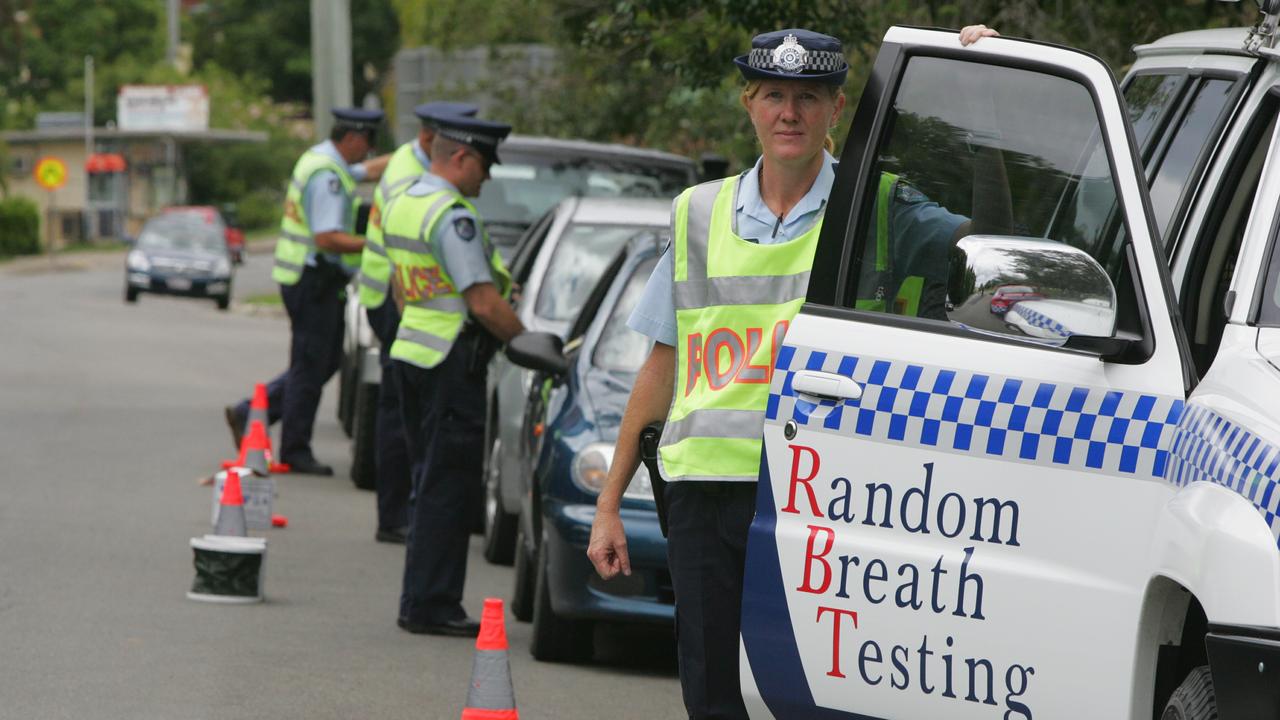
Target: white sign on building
(163, 107)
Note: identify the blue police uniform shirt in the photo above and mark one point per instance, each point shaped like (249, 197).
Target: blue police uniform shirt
(912, 216)
(326, 202)
(456, 240)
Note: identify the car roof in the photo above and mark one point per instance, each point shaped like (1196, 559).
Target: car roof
(546, 145)
(620, 211)
(1216, 40)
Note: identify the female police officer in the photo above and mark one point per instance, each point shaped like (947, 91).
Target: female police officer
(738, 267)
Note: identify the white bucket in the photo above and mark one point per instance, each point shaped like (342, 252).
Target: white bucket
(228, 569)
(259, 498)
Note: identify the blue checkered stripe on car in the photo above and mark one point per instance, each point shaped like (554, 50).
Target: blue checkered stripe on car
(969, 412)
(1208, 447)
(1040, 320)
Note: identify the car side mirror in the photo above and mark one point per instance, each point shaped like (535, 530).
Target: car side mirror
(1039, 290)
(541, 351)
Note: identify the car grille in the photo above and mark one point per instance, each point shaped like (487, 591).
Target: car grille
(174, 267)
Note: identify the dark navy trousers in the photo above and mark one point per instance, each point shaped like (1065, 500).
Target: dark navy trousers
(443, 410)
(391, 459)
(314, 305)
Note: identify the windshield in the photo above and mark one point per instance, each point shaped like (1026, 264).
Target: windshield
(622, 349)
(581, 255)
(522, 187)
(180, 236)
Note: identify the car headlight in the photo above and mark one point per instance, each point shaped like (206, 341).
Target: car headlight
(591, 469)
(222, 266)
(137, 260)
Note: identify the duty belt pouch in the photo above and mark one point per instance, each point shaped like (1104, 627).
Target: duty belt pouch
(649, 438)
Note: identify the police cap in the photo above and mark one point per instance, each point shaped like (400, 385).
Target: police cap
(482, 135)
(428, 112)
(795, 54)
(358, 119)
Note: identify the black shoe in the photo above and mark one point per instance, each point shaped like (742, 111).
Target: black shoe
(308, 466)
(236, 422)
(394, 535)
(464, 627)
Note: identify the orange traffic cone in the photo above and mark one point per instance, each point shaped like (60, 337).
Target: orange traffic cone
(490, 696)
(257, 416)
(231, 510)
(258, 407)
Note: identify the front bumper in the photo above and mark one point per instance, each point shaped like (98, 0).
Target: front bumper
(578, 592)
(1245, 663)
(185, 285)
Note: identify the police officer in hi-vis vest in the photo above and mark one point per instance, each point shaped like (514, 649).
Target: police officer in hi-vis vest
(391, 457)
(741, 252)
(452, 291)
(316, 253)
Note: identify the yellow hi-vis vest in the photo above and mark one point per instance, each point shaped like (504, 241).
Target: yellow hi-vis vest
(876, 284)
(403, 170)
(295, 239)
(734, 300)
(434, 309)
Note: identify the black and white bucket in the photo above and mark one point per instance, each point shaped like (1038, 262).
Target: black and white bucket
(228, 569)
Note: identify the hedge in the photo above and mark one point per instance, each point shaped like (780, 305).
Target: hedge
(19, 227)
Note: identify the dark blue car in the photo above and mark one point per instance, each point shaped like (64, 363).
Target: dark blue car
(570, 427)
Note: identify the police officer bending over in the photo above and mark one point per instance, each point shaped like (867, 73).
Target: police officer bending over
(452, 289)
(391, 458)
(316, 253)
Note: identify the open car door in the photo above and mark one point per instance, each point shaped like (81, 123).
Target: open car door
(967, 432)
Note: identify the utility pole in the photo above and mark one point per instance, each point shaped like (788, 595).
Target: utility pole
(171, 52)
(91, 220)
(330, 61)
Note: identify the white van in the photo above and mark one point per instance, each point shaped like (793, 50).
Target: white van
(1065, 507)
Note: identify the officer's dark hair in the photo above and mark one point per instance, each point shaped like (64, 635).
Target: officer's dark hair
(340, 131)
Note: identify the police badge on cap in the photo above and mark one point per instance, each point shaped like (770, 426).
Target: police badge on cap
(795, 54)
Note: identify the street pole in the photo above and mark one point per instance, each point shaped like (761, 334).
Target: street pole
(330, 61)
(90, 224)
(171, 53)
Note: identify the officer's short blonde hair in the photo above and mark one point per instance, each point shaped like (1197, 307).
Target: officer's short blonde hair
(752, 87)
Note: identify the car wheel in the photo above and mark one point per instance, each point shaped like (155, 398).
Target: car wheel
(224, 301)
(499, 525)
(1194, 698)
(522, 593)
(556, 639)
(364, 470)
(130, 295)
(348, 378)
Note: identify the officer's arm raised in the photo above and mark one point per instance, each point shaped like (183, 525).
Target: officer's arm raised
(649, 402)
(492, 310)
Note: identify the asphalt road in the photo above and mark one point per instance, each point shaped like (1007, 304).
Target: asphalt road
(109, 414)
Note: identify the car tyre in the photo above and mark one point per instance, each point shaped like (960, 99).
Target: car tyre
(130, 295)
(1194, 699)
(555, 638)
(499, 525)
(522, 593)
(224, 301)
(364, 448)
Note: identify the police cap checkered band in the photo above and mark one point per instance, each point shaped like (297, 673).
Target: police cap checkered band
(816, 61)
(473, 139)
(795, 54)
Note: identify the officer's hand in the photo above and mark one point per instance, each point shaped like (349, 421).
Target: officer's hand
(973, 33)
(375, 166)
(608, 545)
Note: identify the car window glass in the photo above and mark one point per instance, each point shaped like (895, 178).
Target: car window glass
(579, 257)
(1148, 98)
(180, 236)
(974, 149)
(1193, 131)
(620, 348)
(528, 248)
(524, 185)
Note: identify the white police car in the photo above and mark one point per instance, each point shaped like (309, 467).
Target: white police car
(1068, 509)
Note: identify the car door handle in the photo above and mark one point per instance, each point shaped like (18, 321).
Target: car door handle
(826, 385)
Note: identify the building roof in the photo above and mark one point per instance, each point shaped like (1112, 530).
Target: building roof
(71, 133)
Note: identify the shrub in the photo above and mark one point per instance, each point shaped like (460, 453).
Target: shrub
(19, 227)
(259, 208)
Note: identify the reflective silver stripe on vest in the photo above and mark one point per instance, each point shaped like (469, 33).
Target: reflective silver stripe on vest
(418, 337)
(297, 185)
(436, 207)
(741, 290)
(698, 229)
(444, 303)
(374, 285)
(407, 244)
(375, 247)
(714, 423)
(307, 240)
(717, 478)
(388, 189)
(286, 265)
